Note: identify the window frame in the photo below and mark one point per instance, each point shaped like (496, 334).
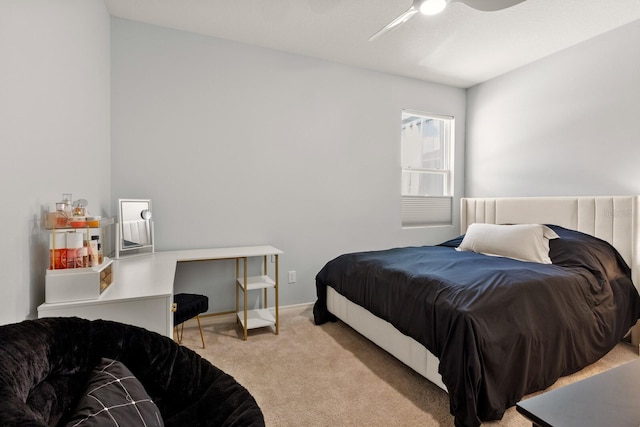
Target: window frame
(424, 210)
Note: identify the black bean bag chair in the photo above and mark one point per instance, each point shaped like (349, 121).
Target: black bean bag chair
(48, 365)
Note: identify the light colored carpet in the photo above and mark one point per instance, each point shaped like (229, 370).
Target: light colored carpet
(330, 375)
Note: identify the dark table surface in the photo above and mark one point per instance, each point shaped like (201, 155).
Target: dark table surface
(611, 398)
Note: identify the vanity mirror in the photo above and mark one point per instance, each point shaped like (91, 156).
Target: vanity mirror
(134, 233)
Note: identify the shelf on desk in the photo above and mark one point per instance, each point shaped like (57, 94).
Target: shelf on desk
(257, 282)
(259, 318)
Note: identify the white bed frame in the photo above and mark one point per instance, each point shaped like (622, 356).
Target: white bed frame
(611, 218)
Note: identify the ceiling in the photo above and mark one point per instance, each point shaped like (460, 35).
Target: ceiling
(460, 47)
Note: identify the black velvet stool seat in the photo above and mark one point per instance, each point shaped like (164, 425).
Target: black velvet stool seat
(188, 306)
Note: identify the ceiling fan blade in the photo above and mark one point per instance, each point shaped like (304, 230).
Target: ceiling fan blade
(489, 5)
(404, 17)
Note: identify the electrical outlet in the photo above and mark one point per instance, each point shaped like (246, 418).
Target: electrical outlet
(292, 277)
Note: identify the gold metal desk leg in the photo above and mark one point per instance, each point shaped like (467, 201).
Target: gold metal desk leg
(264, 271)
(276, 292)
(245, 297)
(237, 288)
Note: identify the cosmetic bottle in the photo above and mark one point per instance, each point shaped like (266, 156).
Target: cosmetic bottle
(82, 255)
(74, 244)
(93, 251)
(57, 251)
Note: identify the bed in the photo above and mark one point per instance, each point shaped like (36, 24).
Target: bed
(488, 329)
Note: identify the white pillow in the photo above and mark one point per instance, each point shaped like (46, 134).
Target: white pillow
(524, 242)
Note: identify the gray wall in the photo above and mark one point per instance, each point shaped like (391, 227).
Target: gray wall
(565, 125)
(54, 129)
(240, 145)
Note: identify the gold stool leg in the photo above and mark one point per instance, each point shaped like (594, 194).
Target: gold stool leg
(179, 330)
(200, 327)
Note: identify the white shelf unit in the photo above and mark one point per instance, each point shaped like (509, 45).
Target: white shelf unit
(261, 317)
(77, 284)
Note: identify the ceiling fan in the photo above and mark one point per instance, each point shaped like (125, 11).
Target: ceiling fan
(433, 7)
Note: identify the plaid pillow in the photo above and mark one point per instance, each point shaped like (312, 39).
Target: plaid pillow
(114, 397)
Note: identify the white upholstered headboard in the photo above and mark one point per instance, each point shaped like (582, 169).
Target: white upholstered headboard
(611, 218)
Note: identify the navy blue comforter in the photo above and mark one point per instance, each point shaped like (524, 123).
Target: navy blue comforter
(501, 328)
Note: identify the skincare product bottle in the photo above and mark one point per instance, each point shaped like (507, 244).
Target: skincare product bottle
(57, 251)
(93, 248)
(74, 244)
(82, 259)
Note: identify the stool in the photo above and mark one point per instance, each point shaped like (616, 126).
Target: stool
(188, 306)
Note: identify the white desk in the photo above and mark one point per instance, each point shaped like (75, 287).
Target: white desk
(141, 293)
(248, 318)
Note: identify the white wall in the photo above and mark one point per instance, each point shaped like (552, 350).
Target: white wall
(565, 125)
(54, 128)
(239, 145)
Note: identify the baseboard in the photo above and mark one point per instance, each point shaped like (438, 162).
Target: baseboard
(230, 316)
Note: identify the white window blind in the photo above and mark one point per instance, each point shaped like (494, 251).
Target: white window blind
(419, 211)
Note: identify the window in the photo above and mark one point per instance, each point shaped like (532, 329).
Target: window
(427, 169)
